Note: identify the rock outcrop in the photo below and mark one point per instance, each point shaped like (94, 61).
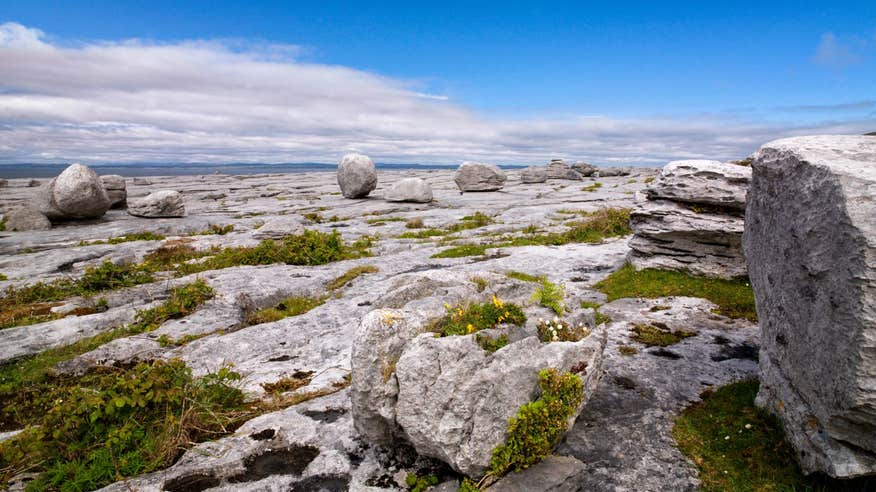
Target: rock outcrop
(76, 193)
(612, 171)
(534, 174)
(584, 169)
(161, 203)
(357, 176)
(115, 190)
(26, 219)
(478, 176)
(810, 241)
(410, 190)
(692, 220)
(558, 169)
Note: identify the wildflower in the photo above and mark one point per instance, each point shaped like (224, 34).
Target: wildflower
(447, 306)
(496, 301)
(748, 426)
(470, 328)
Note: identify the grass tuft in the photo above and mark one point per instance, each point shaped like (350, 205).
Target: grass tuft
(734, 298)
(350, 275)
(525, 277)
(658, 335)
(592, 187)
(291, 306)
(462, 251)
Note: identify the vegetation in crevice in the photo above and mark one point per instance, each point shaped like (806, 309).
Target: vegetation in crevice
(737, 446)
(600, 318)
(461, 251)
(592, 187)
(350, 275)
(137, 236)
(415, 223)
(525, 277)
(291, 306)
(658, 334)
(418, 483)
(538, 426)
(627, 350)
(491, 344)
(215, 229)
(298, 379)
(471, 318)
(557, 330)
(734, 298)
(550, 295)
(593, 228)
(480, 283)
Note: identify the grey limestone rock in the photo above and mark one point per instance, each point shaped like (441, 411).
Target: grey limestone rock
(702, 181)
(558, 169)
(410, 190)
(478, 176)
(534, 174)
(161, 203)
(357, 176)
(584, 169)
(810, 240)
(26, 219)
(554, 474)
(613, 171)
(76, 193)
(115, 189)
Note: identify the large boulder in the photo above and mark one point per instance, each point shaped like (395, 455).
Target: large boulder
(705, 182)
(534, 174)
(605, 172)
(115, 190)
(76, 193)
(410, 190)
(584, 169)
(161, 203)
(558, 169)
(810, 241)
(357, 175)
(673, 236)
(26, 219)
(478, 176)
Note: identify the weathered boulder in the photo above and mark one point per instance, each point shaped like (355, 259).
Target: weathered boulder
(810, 241)
(558, 169)
(455, 399)
(161, 203)
(613, 171)
(584, 169)
(76, 193)
(410, 190)
(701, 181)
(115, 190)
(672, 236)
(26, 219)
(534, 174)
(478, 176)
(357, 175)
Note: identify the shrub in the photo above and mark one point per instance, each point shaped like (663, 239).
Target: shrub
(734, 298)
(550, 295)
(475, 317)
(539, 425)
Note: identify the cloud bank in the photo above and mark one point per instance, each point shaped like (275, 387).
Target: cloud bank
(232, 101)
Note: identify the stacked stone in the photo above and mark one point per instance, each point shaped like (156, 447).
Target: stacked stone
(810, 241)
(692, 220)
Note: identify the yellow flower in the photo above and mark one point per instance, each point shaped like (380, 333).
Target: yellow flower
(447, 306)
(496, 301)
(470, 328)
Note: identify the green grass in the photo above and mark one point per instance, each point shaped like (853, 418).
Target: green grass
(525, 277)
(3, 277)
(462, 251)
(423, 234)
(468, 319)
(593, 228)
(291, 306)
(592, 187)
(137, 236)
(550, 295)
(2, 224)
(658, 335)
(215, 229)
(734, 298)
(739, 447)
(350, 275)
(119, 422)
(649, 179)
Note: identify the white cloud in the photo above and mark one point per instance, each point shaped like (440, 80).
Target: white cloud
(831, 52)
(239, 101)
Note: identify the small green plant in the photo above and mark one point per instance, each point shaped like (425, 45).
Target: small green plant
(417, 483)
(599, 317)
(291, 306)
(297, 380)
(137, 236)
(181, 302)
(627, 350)
(2, 223)
(631, 181)
(168, 341)
(216, 229)
(462, 251)
(468, 485)
(490, 344)
(474, 221)
(539, 425)
(350, 275)
(592, 187)
(557, 330)
(658, 335)
(550, 295)
(593, 228)
(649, 179)
(422, 234)
(481, 283)
(525, 277)
(734, 298)
(464, 320)
(415, 223)
(3, 277)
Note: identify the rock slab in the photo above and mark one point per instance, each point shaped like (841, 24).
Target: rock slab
(410, 190)
(810, 240)
(705, 182)
(161, 203)
(26, 219)
(478, 176)
(357, 176)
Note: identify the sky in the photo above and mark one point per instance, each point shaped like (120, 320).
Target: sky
(627, 83)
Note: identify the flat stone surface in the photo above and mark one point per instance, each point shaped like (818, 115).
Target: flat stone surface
(705, 182)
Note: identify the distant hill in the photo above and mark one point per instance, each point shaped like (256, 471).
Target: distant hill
(872, 134)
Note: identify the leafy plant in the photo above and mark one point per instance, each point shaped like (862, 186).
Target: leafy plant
(464, 320)
(539, 425)
(490, 344)
(550, 295)
(417, 483)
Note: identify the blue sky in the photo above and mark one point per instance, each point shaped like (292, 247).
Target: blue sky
(694, 79)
